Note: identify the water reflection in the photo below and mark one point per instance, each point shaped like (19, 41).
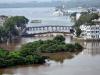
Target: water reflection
(25, 70)
(29, 70)
(59, 57)
(10, 46)
(92, 48)
(16, 44)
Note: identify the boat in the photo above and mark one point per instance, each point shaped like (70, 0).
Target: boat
(36, 21)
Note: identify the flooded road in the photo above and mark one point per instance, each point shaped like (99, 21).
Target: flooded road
(85, 63)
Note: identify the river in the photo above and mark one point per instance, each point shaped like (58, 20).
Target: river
(85, 63)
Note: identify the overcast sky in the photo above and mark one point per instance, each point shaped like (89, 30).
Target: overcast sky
(11, 1)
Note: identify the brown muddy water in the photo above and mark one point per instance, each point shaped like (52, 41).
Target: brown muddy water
(85, 63)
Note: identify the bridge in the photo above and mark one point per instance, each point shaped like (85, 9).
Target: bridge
(34, 30)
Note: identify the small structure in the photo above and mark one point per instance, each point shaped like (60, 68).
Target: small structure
(58, 13)
(78, 10)
(93, 10)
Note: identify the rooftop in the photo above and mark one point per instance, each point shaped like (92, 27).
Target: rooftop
(52, 22)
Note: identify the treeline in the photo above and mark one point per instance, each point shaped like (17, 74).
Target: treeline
(86, 18)
(12, 27)
(31, 53)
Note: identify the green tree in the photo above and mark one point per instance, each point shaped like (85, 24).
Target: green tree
(86, 18)
(14, 26)
(20, 21)
(59, 38)
(14, 54)
(3, 53)
(9, 26)
(78, 32)
(3, 34)
(73, 14)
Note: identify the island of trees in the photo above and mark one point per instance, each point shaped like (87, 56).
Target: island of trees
(31, 53)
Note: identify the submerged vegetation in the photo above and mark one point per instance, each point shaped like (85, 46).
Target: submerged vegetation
(30, 53)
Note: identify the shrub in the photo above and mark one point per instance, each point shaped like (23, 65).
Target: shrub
(59, 38)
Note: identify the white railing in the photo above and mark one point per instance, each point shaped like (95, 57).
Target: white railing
(45, 29)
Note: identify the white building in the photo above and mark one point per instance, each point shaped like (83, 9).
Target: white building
(91, 31)
(77, 10)
(58, 13)
(78, 16)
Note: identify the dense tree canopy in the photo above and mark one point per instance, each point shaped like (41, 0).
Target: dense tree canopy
(49, 46)
(20, 21)
(3, 34)
(86, 18)
(12, 27)
(59, 38)
(8, 59)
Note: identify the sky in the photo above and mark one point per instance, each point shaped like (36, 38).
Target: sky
(12, 1)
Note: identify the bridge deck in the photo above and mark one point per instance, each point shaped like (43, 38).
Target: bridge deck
(48, 29)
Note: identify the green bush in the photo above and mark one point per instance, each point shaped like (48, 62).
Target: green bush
(59, 38)
(15, 58)
(49, 46)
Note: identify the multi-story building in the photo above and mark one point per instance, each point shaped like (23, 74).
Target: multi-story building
(90, 32)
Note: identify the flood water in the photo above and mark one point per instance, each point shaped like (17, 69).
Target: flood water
(85, 63)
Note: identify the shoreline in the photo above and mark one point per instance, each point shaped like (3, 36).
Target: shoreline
(82, 39)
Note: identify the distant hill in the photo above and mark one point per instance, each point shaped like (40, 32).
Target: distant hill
(83, 3)
(29, 4)
(69, 4)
